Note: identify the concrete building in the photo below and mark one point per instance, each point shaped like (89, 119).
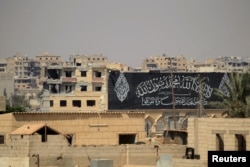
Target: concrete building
(218, 134)
(164, 62)
(81, 128)
(23, 66)
(7, 88)
(46, 60)
(78, 85)
(220, 64)
(74, 139)
(3, 65)
(26, 73)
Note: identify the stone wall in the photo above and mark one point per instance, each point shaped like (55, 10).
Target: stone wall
(86, 128)
(14, 161)
(57, 152)
(203, 132)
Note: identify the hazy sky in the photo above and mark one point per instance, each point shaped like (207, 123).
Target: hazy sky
(126, 31)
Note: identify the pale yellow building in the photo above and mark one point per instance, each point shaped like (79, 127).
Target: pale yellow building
(164, 62)
(92, 128)
(78, 85)
(45, 60)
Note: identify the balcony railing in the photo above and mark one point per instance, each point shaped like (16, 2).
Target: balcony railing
(97, 79)
(69, 79)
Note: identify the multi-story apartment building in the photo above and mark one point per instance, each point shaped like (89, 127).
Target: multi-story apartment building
(22, 66)
(221, 64)
(3, 65)
(7, 85)
(79, 84)
(26, 71)
(46, 60)
(164, 62)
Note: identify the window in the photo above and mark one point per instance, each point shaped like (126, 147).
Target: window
(83, 73)
(63, 103)
(68, 73)
(51, 102)
(83, 88)
(1, 139)
(68, 88)
(90, 103)
(98, 74)
(98, 88)
(127, 138)
(76, 103)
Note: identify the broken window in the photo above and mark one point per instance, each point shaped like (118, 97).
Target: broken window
(90, 103)
(83, 88)
(83, 73)
(54, 88)
(97, 74)
(76, 103)
(51, 102)
(68, 73)
(53, 74)
(68, 88)
(78, 64)
(63, 103)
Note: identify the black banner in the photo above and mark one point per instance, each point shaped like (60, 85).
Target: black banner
(157, 90)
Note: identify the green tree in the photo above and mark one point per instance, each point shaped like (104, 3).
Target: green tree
(239, 91)
(16, 108)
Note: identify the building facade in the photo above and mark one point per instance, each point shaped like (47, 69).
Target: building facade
(78, 85)
(164, 62)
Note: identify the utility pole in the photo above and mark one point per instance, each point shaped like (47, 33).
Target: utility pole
(200, 112)
(173, 96)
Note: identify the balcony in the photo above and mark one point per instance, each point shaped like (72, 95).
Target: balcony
(69, 79)
(54, 81)
(97, 79)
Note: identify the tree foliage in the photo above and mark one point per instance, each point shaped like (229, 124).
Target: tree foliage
(239, 91)
(16, 108)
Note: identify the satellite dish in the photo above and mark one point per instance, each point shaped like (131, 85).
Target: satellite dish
(165, 161)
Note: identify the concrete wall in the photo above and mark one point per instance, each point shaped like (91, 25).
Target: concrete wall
(87, 128)
(2, 103)
(7, 125)
(57, 152)
(202, 133)
(14, 161)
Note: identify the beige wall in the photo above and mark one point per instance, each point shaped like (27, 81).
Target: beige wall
(57, 146)
(15, 161)
(2, 103)
(202, 133)
(87, 128)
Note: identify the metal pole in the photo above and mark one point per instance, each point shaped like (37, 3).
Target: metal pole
(173, 97)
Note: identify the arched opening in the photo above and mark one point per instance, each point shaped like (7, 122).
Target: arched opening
(240, 142)
(160, 125)
(219, 142)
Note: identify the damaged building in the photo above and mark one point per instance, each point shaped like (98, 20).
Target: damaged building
(77, 85)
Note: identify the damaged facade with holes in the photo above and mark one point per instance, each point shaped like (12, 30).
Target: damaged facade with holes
(78, 85)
